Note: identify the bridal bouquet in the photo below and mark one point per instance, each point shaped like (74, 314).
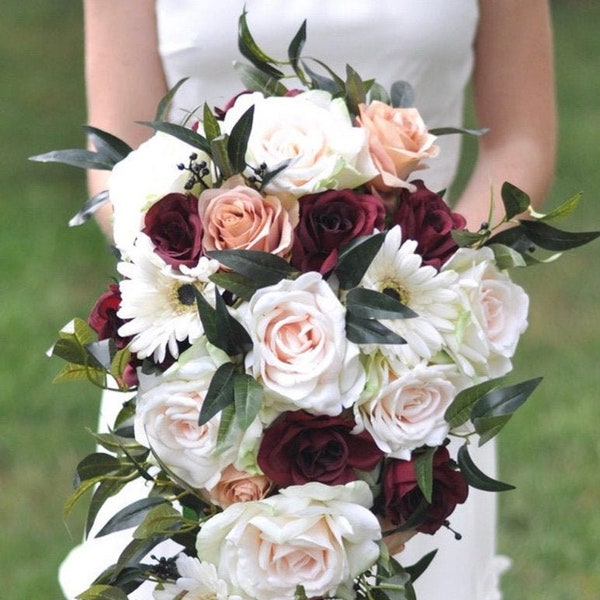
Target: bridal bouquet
(304, 325)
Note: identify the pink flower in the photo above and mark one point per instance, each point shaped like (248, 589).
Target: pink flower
(236, 217)
(238, 486)
(398, 142)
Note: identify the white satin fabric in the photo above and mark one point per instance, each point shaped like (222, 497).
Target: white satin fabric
(428, 43)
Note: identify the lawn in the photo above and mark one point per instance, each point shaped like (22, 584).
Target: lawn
(550, 525)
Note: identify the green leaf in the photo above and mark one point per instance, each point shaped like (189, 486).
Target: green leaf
(232, 336)
(184, 134)
(89, 208)
(162, 110)
(107, 145)
(355, 90)
(131, 515)
(102, 592)
(371, 304)
(261, 267)
(105, 489)
(96, 465)
(271, 173)
(506, 257)
(76, 157)
(119, 362)
(489, 427)
(251, 50)
(256, 80)
(74, 372)
(220, 392)
(295, 51)
(225, 435)
(355, 259)
(504, 401)
(238, 141)
(475, 477)
(237, 284)
(134, 553)
(459, 411)
(550, 238)
(211, 126)
(564, 210)
(300, 593)
(378, 93)
(458, 130)
(334, 84)
(370, 331)
(208, 317)
(469, 239)
(220, 155)
(418, 568)
(248, 396)
(423, 464)
(402, 95)
(515, 201)
(160, 520)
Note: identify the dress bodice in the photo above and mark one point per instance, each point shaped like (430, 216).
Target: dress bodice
(429, 44)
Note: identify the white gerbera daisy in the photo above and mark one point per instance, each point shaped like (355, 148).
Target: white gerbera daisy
(397, 271)
(159, 303)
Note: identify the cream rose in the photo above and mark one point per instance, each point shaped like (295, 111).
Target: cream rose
(311, 130)
(408, 410)
(300, 353)
(398, 142)
(142, 178)
(495, 314)
(314, 535)
(238, 217)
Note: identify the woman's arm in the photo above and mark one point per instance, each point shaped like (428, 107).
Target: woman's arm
(123, 73)
(514, 96)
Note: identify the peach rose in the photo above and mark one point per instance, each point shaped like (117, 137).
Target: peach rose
(238, 486)
(398, 142)
(238, 217)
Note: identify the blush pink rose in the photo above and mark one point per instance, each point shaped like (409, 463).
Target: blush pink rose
(398, 142)
(238, 486)
(238, 217)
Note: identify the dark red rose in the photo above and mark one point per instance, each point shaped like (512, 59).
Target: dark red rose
(329, 220)
(174, 226)
(425, 217)
(104, 320)
(402, 495)
(299, 447)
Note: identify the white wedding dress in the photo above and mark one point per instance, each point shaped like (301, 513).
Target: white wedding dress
(427, 43)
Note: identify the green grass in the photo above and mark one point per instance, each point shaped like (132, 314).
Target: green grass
(550, 525)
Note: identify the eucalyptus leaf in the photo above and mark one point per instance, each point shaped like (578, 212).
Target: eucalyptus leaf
(370, 331)
(248, 396)
(550, 238)
(76, 157)
(89, 208)
(475, 477)
(515, 200)
(371, 304)
(238, 141)
(402, 95)
(107, 145)
(252, 51)
(459, 411)
(102, 592)
(378, 93)
(211, 126)
(355, 259)
(132, 515)
(423, 464)
(220, 392)
(184, 134)
(258, 81)
(262, 267)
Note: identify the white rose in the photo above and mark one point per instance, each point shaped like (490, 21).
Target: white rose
(314, 535)
(167, 411)
(197, 581)
(141, 179)
(313, 131)
(408, 410)
(300, 353)
(494, 310)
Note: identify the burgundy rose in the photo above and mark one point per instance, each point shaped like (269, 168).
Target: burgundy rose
(299, 447)
(402, 495)
(174, 226)
(104, 320)
(425, 217)
(329, 220)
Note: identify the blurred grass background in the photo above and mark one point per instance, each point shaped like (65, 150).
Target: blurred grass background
(550, 525)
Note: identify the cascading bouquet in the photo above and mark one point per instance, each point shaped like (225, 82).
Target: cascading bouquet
(304, 329)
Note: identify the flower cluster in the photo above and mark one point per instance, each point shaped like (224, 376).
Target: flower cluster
(305, 324)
